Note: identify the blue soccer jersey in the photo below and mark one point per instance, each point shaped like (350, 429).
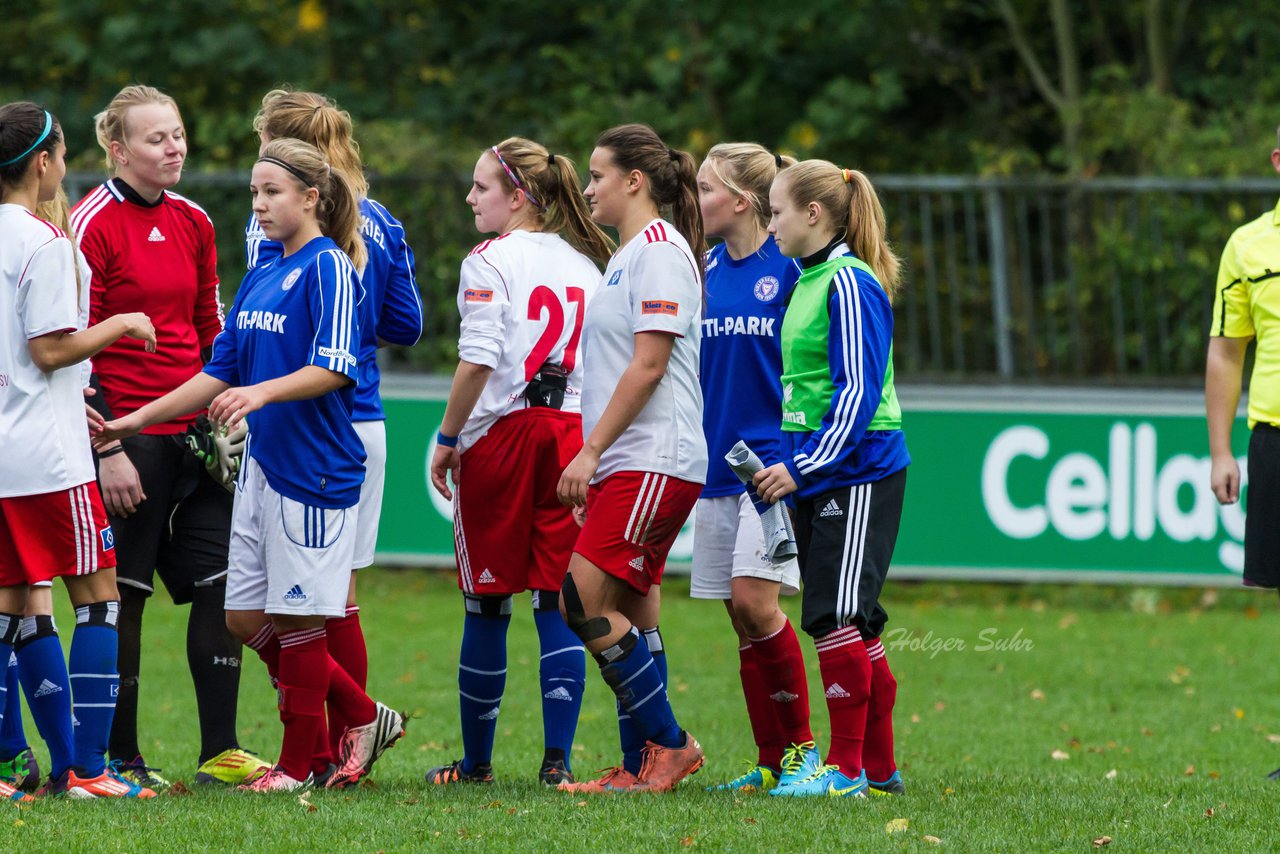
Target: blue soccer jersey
(289, 313)
(742, 358)
(391, 309)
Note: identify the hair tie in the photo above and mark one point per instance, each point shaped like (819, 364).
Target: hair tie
(306, 182)
(777, 161)
(847, 174)
(48, 126)
(328, 169)
(551, 159)
(515, 179)
(671, 152)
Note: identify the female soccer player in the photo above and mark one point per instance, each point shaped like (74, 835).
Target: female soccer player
(512, 422)
(287, 362)
(52, 522)
(844, 457)
(152, 249)
(749, 283)
(390, 313)
(644, 459)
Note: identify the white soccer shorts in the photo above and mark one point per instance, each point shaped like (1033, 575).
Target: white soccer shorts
(286, 557)
(374, 436)
(728, 543)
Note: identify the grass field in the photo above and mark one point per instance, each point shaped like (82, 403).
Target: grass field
(1071, 714)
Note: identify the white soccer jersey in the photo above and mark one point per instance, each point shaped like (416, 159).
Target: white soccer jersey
(44, 441)
(651, 285)
(523, 298)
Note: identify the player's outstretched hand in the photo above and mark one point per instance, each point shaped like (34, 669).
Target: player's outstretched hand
(121, 486)
(230, 407)
(91, 415)
(445, 461)
(138, 325)
(117, 429)
(576, 478)
(774, 483)
(1224, 479)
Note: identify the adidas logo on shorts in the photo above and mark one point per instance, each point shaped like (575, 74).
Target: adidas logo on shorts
(637, 563)
(46, 688)
(784, 697)
(491, 715)
(486, 577)
(834, 691)
(832, 509)
(295, 594)
(558, 694)
(155, 236)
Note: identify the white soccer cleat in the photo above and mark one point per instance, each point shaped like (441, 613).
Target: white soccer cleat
(362, 745)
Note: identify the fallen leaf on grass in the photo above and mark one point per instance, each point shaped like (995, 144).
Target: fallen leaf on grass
(178, 788)
(1252, 613)
(1208, 813)
(939, 705)
(18, 823)
(1060, 755)
(1067, 621)
(1273, 738)
(933, 840)
(580, 804)
(1147, 732)
(1239, 713)
(687, 841)
(948, 791)
(749, 820)
(1111, 775)
(1037, 694)
(492, 805)
(1190, 772)
(897, 825)
(1101, 841)
(915, 719)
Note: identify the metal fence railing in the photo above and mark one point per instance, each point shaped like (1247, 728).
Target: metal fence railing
(1023, 280)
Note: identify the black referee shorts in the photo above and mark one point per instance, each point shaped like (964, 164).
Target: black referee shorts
(846, 539)
(1261, 533)
(181, 530)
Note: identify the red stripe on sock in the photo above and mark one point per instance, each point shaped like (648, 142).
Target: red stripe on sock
(846, 682)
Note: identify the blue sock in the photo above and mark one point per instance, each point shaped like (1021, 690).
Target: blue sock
(10, 624)
(13, 739)
(631, 672)
(562, 674)
(482, 676)
(94, 682)
(42, 670)
(632, 739)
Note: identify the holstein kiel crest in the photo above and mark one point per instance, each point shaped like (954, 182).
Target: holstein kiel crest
(767, 288)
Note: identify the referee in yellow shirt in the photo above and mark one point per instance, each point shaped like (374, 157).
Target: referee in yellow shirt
(1247, 305)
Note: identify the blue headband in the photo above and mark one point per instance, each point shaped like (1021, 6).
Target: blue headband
(48, 126)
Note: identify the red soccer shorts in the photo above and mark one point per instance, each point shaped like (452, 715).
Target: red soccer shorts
(510, 532)
(54, 533)
(633, 517)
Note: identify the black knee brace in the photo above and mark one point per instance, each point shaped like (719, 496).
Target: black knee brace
(488, 606)
(575, 616)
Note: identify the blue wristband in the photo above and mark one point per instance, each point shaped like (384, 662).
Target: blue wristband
(446, 441)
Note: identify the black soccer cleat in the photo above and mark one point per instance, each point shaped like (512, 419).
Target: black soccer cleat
(553, 772)
(453, 773)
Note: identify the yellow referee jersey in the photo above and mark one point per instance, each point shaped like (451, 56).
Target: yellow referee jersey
(1246, 304)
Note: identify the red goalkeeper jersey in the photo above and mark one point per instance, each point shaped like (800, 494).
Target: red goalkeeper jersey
(159, 259)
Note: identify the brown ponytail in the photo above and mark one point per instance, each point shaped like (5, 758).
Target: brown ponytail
(672, 176)
(339, 209)
(316, 120)
(550, 183)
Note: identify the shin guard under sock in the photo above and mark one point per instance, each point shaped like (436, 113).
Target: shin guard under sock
(42, 669)
(846, 678)
(303, 682)
(782, 672)
(631, 670)
(94, 683)
(562, 675)
(482, 678)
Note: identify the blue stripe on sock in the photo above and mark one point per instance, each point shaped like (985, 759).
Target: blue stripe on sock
(482, 672)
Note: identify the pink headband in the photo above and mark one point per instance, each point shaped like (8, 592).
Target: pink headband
(515, 180)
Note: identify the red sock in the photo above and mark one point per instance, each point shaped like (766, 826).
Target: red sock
(782, 670)
(267, 646)
(346, 646)
(303, 682)
(347, 698)
(846, 678)
(877, 751)
(764, 721)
